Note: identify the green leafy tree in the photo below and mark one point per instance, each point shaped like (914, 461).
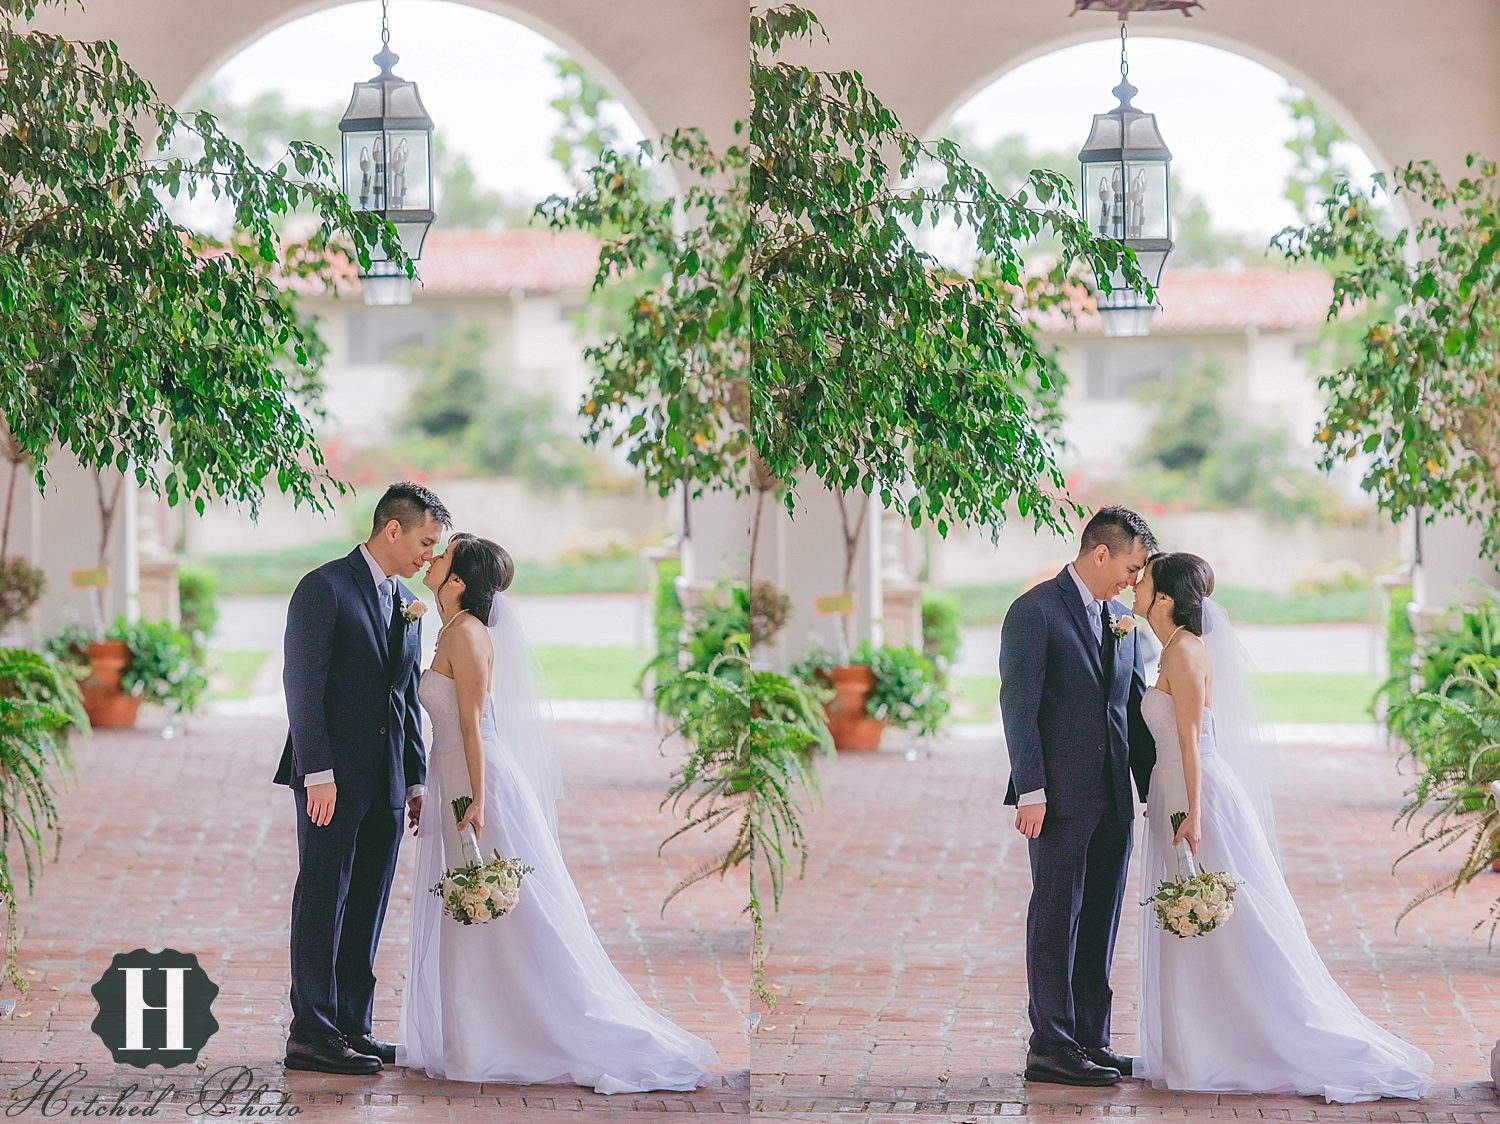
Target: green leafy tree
(876, 371)
(1319, 168)
(1417, 406)
(266, 122)
(462, 407)
(135, 343)
(584, 129)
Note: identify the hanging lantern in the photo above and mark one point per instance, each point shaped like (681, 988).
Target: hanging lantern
(1125, 197)
(387, 167)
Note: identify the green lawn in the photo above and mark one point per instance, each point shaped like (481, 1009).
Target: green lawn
(987, 605)
(232, 672)
(592, 673)
(1336, 698)
(276, 573)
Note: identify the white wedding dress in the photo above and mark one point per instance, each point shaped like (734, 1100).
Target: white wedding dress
(531, 997)
(1249, 1007)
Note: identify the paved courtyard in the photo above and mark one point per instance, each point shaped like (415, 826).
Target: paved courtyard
(898, 960)
(186, 844)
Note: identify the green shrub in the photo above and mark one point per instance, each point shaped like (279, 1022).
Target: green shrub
(1474, 631)
(940, 635)
(198, 597)
(21, 587)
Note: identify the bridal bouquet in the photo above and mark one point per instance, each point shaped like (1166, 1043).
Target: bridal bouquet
(1195, 902)
(479, 890)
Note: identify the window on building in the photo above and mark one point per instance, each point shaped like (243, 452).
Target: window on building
(377, 337)
(1113, 374)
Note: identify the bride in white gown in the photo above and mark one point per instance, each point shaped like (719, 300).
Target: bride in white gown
(1250, 1007)
(531, 997)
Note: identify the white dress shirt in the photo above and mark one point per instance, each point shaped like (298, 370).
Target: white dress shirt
(385, 589)
(1095, 609)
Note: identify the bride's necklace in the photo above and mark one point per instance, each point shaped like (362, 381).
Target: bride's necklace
(1164, 647)
(449, 623)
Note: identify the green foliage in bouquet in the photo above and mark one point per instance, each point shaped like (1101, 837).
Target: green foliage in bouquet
(752, 736)
(1455, 739)
(1195, 904)
(39, 705)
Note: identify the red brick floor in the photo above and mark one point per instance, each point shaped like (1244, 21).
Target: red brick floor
(186, 844)
(898, 960)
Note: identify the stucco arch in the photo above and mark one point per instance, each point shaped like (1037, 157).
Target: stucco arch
(669, 62)
(1403, 84)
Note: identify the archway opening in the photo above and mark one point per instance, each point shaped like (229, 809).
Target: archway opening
(1207, 425)
(474, 387)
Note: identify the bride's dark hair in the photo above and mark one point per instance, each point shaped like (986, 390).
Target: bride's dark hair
(1189, 581)
(485, 569)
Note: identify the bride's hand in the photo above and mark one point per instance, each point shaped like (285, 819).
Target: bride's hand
(1192, 831)
(473, 817)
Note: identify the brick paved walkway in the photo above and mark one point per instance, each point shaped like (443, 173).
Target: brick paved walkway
(186, 844)
(898, 960)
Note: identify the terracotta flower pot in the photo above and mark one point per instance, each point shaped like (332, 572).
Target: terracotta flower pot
(104, 699)
(850, 726)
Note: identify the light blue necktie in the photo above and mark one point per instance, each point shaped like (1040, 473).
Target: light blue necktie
(387, 597)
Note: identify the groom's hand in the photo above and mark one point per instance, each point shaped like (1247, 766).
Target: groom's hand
(414, 813)
(1029, 819)
(320, 801)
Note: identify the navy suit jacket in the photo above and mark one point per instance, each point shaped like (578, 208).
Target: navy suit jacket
(351, 687)
(1067, 729)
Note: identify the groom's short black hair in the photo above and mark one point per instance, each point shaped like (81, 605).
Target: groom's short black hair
(1117, 528)
(409, 504)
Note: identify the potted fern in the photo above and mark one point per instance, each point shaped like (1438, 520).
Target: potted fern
(753, 737)
(1453, 734)
(39, 706)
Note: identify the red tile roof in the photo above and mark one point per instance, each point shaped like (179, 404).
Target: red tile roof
(1210, 300)
(479, 263)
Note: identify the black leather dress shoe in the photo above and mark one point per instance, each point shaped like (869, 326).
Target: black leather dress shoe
(1070, 1066)
(329, 1054)
(1104, 1056)
(364, 1044)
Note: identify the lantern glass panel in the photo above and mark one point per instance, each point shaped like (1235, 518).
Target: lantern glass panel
(1126, 201)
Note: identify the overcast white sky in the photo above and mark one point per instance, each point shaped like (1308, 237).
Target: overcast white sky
(487, 82)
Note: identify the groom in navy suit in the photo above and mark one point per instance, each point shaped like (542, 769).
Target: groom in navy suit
(1071, 682)
(353, 758)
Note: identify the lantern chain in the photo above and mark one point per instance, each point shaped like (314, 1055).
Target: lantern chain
(385, 22)
(1124, 59)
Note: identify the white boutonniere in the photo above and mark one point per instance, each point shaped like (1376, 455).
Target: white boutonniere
(411, 611)
(1121, 626)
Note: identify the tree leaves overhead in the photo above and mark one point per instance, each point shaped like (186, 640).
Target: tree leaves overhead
(1418, 404)
(133, 342)
(875, 368)
(671, 384)
(798, 311)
